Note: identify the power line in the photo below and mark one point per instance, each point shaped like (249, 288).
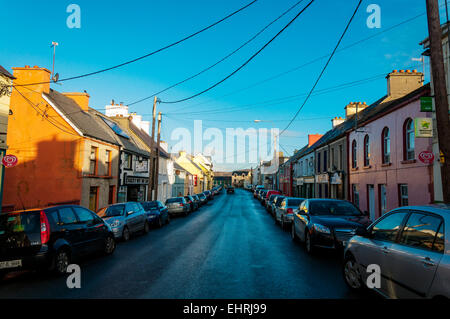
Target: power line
(151, 53)
(312, 61)
(221, 60)
(244, 64)
(324, 68)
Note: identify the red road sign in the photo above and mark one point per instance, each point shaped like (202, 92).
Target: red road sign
(426, 157)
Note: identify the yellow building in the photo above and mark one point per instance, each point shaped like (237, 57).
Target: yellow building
(205, 163)
(186, 162)
(6, 79)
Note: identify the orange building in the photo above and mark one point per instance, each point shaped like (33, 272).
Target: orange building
(64, 155)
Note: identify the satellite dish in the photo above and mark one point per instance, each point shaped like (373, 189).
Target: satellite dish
(56, 77)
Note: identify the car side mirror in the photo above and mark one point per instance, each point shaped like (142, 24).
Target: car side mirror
(130, 212)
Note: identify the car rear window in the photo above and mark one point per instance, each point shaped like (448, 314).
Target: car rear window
(174, 200)
(20, 223)
(112, 211)
(67, 216)
(295, 201)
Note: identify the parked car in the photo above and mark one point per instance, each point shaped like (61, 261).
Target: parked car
(51, 238)
(125, 219)
(203, 198)
(327, 223)
(276, 203)
(157, 213)
(284, 214)
(257, 189)
(209, 195)
(267, 195)
(411, 247)
(178, 206)
(192, 204)
(269, 202)
(230, 190)
(197, 200)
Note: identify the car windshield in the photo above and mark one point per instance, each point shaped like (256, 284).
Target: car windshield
(174, 200)
(111, 211)
(330, 207)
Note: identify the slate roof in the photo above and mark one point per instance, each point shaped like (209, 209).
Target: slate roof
(132, 145)
(5, 72)
(377, 108)
(148, 140)
(84, 121)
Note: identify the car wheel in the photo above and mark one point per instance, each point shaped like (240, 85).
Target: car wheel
(308, 243)
(110, 245)
(160, 222)
(352, 275)
(126, 234)
(146, 228)
(62, 261)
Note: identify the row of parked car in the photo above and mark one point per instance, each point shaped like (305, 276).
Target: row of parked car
(410, 245)
(53, 237)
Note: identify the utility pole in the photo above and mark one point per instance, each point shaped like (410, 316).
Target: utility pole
(440, 92)
(153, 169)
(157, 156)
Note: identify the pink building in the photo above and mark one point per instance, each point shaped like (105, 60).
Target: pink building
(384, 168)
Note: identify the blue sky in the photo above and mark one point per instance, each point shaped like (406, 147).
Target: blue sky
(115, 31)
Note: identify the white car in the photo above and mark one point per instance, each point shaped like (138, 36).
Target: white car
(410, 247)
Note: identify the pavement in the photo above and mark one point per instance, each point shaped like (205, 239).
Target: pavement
(230, 248)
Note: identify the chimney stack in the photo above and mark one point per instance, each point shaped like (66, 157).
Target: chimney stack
(400, 83)
(337, 121)
(354, 107)
(312, 138)
(38, 75)
(82, 99)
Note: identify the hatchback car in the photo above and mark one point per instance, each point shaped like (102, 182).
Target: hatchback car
(327, 223)
(178, 206)
(276, 203)
(208, 195)
(267, 196)
(411, 248)
(284, 214)
(192, 203)
(51, 238)
(203, 198)
(269, 202)
(125, 219)
(197, 200)
(157, 213)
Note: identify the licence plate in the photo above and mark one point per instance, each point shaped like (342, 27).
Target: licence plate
(10, 264)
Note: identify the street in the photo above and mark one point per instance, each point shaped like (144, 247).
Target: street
(230, 248)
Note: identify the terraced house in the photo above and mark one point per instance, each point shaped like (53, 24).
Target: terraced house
(65, 156)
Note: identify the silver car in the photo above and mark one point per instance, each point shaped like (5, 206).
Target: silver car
(284, 214)
(125, 219)
(178, 206)
(411, 247)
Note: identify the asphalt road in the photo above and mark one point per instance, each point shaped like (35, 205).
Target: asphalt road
(230, 248)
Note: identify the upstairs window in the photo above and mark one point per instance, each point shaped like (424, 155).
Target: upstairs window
(93, 161)
(386, 146)
(409, 140)
(354, 162)
(366, 151)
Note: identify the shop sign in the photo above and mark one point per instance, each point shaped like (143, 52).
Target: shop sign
(9, 161)
(426, 157)
(426, 104)
(423, 127)
(336, 179)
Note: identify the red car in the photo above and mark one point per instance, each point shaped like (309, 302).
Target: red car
(268, 195)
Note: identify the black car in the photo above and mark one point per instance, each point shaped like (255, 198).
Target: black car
(157, 212)
(230, 190)
(327, 223)
(51, 238)
(208, 195)
(197, 200)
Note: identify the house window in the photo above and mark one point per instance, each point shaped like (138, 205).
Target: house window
(93, 161)
(93, 198)
(366, 151)
(332, 159)
(108, 162)
(383, 199)
(386, 145)
(325, 161)
(340, 157)
(403, 194)
(409, 140)
(127, 161)
(354, 162)
(355, 196)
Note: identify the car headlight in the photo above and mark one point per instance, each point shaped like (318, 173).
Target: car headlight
(321, 229)
(115, 223)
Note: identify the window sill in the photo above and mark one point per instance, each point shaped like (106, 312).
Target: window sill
(367, 167)
(97, 176)
(408, 161)
(354, 168)
(386, 164)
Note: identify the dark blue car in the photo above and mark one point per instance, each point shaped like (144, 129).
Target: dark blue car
(157, 213)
